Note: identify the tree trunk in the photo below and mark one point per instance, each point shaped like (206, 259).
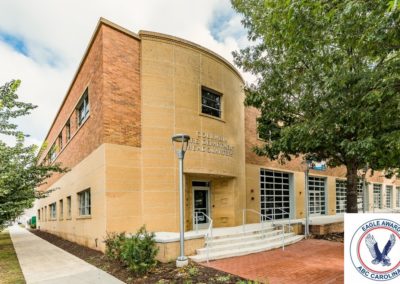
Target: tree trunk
(352, 181)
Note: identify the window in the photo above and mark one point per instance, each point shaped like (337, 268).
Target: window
(53, 211)
(60, 141)
(398, 197)
(316, 193)
(45, 213)
(360, 196)
(377, 196)
(69, 207)
(61, 209)
(341, 196)
(68, 130)
(52, 153)
(84, 202)
(83, 107)
(38, 213)
(275, 194)
(389, 191)
(210, 102)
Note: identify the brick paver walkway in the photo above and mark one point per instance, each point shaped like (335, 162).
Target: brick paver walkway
(308, 261)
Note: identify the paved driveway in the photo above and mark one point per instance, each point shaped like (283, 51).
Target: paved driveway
(308, 261)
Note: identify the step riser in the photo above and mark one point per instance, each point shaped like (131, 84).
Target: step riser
(239, 239)
(226, 254)
(231, 246)
(246, 233)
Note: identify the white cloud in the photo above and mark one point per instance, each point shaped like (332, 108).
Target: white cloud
(57, 32)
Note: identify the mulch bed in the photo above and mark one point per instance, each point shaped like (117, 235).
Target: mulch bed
(163, 273)
(334, 237)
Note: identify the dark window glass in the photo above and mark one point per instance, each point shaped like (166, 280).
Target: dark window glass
(210, 103)
(83, 108)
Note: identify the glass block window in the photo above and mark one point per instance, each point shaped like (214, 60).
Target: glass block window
(377, 195)
(210, 102)
(53, 211)
(316, 193)
(389, 192)
(84, 202)
(341, 196)
(398, 196)
(275, 194)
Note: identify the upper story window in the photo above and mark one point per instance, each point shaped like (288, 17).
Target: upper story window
(52, 153)
(60, 141)
(69, 207)
(68, 130)
(210, 102)
(83, 107)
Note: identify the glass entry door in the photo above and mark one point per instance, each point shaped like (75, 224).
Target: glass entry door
(201, 204)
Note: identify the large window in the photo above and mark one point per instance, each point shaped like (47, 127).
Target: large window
(389, 192)
(360, 196)
(398, 196)
(84, 202)
(69, 207)
(53, 211)
(83, 108)
(316, 193)
(377, 195)
(210, 102)
(275, 194)
(52, 153)
(340, 196)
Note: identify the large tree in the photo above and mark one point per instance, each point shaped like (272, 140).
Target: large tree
(328, 81)
(20, 172)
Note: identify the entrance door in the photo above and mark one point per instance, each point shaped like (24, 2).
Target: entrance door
(201, 204)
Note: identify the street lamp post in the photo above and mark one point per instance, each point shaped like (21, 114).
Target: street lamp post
(180, 142)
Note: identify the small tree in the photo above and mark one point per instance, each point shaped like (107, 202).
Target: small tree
(328, 82)
(20, 172)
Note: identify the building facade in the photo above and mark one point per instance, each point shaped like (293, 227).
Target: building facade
(130, 94)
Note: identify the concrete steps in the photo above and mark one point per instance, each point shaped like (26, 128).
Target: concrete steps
(252, 241)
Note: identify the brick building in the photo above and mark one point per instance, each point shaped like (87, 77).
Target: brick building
(130, 94)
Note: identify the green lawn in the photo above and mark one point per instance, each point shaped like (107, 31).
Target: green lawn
(10, 272)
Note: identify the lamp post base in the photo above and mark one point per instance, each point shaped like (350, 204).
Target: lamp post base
(182, 262)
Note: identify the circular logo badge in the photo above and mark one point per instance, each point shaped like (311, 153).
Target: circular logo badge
(375, 250)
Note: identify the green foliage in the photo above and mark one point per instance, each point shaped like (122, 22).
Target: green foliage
(139, 251)
(20, 172)
(114, 243)
(328, 82)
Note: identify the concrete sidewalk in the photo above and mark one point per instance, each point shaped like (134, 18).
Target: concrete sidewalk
(42, 262)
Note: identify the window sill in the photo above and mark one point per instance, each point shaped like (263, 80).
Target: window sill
(84, 217)
(213, 117)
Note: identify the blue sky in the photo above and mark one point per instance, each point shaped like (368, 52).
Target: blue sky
(43, 47)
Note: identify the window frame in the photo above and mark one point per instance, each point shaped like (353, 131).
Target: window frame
(69, 206)
(68, 131)
(61, 209)
(377, 186)
(53, 211)
(341, 188)
(389, 201)
(83, 107)
(84, 203)
(216, 93)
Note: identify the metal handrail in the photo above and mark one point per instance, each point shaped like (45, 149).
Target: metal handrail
(208, 236)
(262, 217)
(283, 227)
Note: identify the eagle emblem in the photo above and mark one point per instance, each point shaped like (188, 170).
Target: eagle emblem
(380, 257)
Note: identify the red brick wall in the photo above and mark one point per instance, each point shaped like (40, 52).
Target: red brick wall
(251, 140)
(111, 72)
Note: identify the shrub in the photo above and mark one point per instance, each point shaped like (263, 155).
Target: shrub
(114, 243)
(139, 251)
